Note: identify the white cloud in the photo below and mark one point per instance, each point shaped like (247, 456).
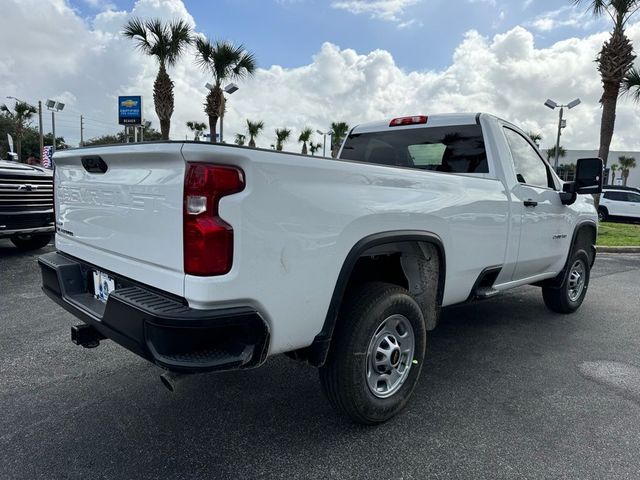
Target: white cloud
(88, 64)
(488, 2)
(566, 16)
(391, 10)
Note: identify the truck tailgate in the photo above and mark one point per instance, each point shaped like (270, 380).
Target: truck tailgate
(120, 208)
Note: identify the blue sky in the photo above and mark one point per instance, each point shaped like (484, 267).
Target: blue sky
(343, 60)
(289, 32)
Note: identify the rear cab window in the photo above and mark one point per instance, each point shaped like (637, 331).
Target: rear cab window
(448, 149)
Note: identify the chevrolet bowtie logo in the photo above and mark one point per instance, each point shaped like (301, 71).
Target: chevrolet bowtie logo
(27, 187)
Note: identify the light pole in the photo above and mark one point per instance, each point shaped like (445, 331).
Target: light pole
(54, 107)
(231, 88)
(561, 123)
(324, 140)
(39, 120)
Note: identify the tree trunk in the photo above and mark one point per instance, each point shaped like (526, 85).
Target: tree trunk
(609, 101)
(165, 126)
(279, 147)
(213, 124)
(252, 142)
(214, 108)
(163, 100)
(304, 148)
(626, 177)
(19, 147)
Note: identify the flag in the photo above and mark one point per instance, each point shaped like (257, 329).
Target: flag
(47, 157)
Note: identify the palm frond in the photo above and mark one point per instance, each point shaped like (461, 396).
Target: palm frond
(597, 7)
(180, 37)
(224, 60)
(253, 128)
(136, 29)
(631, 84)
(165, 41)
(305, 135)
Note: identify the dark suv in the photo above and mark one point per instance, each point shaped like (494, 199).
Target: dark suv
(26, 205)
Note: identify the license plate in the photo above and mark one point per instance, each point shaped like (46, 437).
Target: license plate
(103, 285)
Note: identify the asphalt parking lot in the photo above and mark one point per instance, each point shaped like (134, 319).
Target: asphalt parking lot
(509, 390)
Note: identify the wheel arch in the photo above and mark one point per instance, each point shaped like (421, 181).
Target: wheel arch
(585, 235)
(316, 353)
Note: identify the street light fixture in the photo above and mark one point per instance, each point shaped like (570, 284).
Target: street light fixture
(231, 88)
(561, 123)
(54, 106)
(324, 140)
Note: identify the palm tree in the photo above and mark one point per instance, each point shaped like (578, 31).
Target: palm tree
(626, 164)
(613, 169)
(282, 135)
(535, 138)
(197, 128)
(314, 147)
(631, 84)
(304, 137)
(340, 130)
(225, 62)
(166, 42)
(551, 153)
(253, 129)
(614, 61)
(240, 139)
(22, 113)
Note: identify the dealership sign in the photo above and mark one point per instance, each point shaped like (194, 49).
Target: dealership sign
(130, 110)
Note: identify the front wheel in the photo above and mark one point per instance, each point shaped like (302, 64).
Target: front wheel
(31, 242)
(569, 296)
(376, 354)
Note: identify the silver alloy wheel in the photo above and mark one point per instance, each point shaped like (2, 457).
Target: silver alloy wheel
(390, 355)
(577, 276)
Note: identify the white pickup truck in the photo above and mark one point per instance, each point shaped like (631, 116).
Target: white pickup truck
(202, 257)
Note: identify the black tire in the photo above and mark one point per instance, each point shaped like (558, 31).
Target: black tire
(603, 214)
(344, 374)
(31, 242)
(562, 299)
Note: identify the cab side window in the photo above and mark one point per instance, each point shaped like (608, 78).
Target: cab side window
(529, 166)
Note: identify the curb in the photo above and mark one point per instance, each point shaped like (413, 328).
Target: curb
(618, 249)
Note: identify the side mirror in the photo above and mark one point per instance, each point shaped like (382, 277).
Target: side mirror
(589, 175)
(589, 178)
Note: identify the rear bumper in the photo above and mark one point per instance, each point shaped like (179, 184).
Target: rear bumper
(157, 327)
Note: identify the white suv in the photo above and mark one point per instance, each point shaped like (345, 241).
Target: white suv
(619, 203)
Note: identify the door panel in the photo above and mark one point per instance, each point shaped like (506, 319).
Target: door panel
(545, 223)
(633, 205)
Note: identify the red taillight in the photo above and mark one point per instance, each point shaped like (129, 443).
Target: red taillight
(415, 120)
(208, 240)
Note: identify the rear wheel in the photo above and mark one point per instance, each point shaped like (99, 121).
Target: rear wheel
(376, 354)
(31, 242)
(569, 296)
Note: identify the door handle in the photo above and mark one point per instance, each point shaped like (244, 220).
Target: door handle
(530, 203)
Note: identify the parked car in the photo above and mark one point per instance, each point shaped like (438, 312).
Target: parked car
(26, 205)
(620, 203)
(203, 257)
(621, 187)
